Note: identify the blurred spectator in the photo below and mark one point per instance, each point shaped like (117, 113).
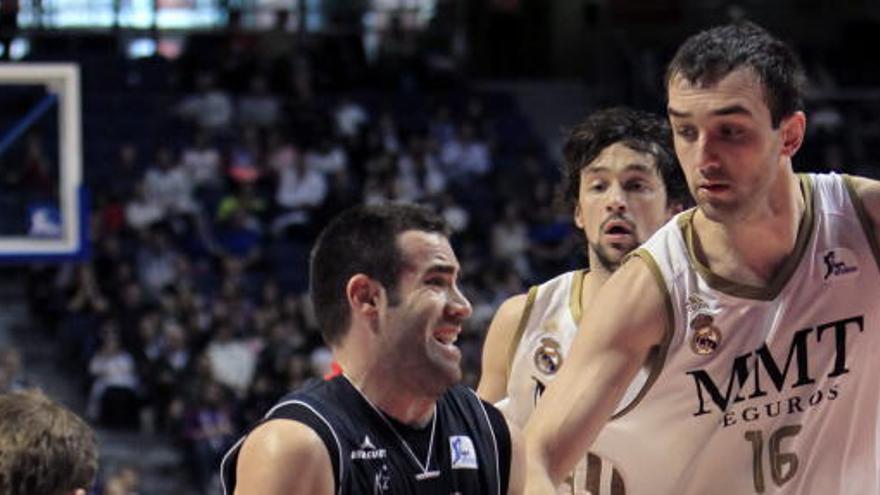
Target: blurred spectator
(209, 107)
(12, 375)
(389, 132)
(510, 240)
(168, 185)
(258, 107)
(233, 360)
(85, 306)
(157, 262)
(239, 236)
(142, 211)
(350, 118)
(454, 213)
(113, 400)
(441, 127)
(167, 370)
(301, 190)
(246, 157)
(466, 156)
(119, 179)
(125, 480)
(243, 200)
(328, 158)
(201, 161)
(87, 295)
(208, 432)
(419, 174)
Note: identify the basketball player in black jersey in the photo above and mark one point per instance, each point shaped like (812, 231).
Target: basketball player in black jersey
(384, 287)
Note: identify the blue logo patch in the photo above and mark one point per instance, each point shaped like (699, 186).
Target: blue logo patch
(464, 456)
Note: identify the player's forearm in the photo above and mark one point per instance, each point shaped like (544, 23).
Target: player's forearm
(538, 482)
(575, 407)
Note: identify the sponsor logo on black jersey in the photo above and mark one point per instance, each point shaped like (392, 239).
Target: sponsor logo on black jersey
(368, 451)
(464, 456)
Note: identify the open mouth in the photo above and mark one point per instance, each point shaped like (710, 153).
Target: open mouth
(447, 336)
(714, 187)
(618, 228)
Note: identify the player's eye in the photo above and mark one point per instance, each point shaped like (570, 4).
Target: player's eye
(686, 132)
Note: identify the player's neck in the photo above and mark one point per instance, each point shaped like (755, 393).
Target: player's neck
(411, 409)
(750, 249)
(594, 279)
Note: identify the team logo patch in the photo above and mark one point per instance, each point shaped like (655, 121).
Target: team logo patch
(548, 357)
(464, 456)
(839, 263)
(706, 337)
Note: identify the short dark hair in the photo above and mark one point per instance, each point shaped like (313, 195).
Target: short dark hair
(707, 57)
(642, 131)
(362, 239)
(45, 449)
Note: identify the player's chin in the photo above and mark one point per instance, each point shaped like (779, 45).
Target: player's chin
(449, 371)
(616, 252)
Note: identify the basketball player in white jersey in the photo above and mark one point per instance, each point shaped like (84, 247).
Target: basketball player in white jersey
(623, 182)
(761, 303)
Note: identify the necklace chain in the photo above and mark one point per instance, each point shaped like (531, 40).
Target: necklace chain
(426, 473)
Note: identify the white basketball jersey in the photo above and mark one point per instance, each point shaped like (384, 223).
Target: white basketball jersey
(763, 390)
(546, 330)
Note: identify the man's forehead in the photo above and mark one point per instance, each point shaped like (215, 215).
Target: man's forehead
(427, 250)
(621, 157)
(739, 92)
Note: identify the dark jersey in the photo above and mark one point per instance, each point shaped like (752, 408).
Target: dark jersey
(467, 444)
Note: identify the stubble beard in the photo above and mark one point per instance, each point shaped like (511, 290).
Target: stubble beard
(425, 370)
(605, 259)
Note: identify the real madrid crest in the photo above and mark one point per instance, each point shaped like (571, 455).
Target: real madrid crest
(706, 336)
(548, 356)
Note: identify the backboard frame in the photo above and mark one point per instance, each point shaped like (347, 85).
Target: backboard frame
(63, 81)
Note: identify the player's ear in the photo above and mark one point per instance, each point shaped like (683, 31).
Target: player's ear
(577, 217)
(674, 207)
(793, 129)
(363, 295)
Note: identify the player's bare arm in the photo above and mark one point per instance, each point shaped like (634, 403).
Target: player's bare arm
(869, 192)
(283, 457)
(624, 322)
(497, 347)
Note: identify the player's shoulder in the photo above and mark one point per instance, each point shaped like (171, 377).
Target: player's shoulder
(868, 190)
(283, 456)
(512, 307)
(280, 441)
